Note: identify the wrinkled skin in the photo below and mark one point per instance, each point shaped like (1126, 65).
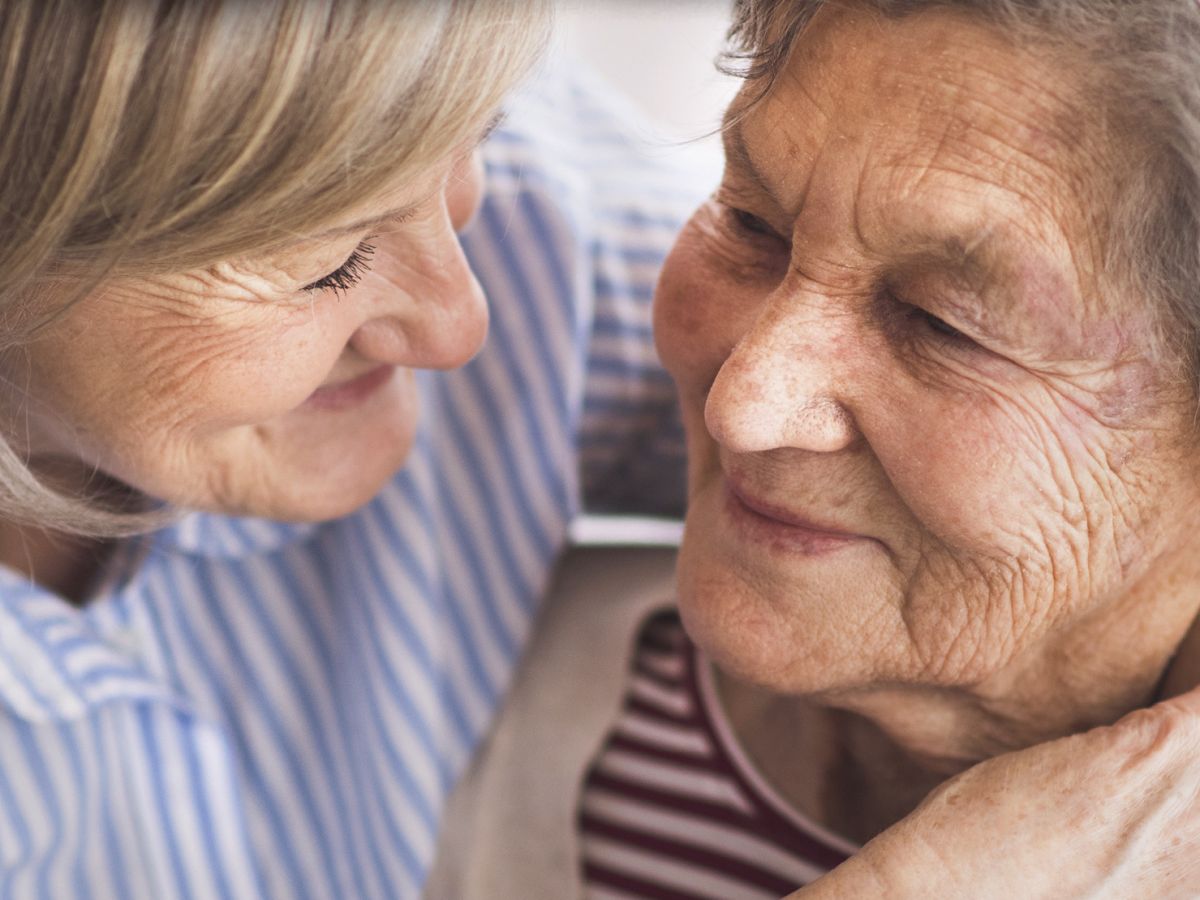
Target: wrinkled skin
(897, 321)
(192, 388)
(1113, 813)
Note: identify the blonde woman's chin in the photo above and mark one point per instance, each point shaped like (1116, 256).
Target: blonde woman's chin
(319, 461)
(329, 456)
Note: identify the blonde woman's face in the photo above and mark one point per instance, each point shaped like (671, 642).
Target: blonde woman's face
(256, 387)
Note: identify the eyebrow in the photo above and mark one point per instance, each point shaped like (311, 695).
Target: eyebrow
(405, 212)
(972, 256)
(395, 215)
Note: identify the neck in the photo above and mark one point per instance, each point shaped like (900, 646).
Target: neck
(1183, 671)
(859, 772)
(64, 564)
(870, 755)
(836, 767)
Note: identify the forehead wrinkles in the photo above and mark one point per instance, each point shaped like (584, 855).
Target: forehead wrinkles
(1013, 138)
(999, 116)
(910, 99)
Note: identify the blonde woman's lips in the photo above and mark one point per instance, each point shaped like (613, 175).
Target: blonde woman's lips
(347, 394)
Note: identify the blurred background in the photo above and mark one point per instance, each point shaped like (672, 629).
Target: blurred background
(659, 53)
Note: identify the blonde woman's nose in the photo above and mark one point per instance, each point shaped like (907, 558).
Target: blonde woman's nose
(779, 388)
(464, 190)
(430, 311)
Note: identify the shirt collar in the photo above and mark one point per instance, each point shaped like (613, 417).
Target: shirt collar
(55, 665)
(229, 537)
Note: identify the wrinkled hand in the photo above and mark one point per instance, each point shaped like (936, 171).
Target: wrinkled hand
(1112, 813)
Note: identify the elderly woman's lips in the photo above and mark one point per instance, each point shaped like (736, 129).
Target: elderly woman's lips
(345, 394)
(763, 521)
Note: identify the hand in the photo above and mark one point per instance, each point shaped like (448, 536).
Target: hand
(1112, 813)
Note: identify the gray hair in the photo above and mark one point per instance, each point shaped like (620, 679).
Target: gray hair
(1145, 56)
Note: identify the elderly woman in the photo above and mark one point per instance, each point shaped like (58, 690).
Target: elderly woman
(228, 248)
(937, 341)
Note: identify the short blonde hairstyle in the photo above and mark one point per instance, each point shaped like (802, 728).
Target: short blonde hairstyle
(144, 136)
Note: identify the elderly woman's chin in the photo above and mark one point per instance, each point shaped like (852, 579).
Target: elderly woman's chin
(775, 602)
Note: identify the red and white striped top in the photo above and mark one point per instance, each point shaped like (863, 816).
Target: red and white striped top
(673, 810)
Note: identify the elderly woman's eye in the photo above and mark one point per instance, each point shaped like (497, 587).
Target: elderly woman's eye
(348, 273)
(938, 326)
(750, 224)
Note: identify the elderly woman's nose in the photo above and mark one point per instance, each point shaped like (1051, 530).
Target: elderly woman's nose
(781, 387)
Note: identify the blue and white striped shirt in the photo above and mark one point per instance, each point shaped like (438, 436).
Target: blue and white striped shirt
(247, 709)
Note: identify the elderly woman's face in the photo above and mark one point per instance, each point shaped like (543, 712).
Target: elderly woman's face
(236, 389)
(929, 441)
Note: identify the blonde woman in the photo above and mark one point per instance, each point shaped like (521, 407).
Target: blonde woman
(230, 262)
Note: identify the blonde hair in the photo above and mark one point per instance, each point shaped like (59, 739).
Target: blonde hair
(142, 136)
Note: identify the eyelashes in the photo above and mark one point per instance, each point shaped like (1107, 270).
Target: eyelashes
(939, 327)
(348, 274)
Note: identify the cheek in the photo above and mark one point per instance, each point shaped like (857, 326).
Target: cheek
(1017, 502)
(978, 470)
(247, 375)
(995, 545)
(699, 315)
(178, 383)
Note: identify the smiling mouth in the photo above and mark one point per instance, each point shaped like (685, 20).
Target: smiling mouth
(764, 523)
(346, 394)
